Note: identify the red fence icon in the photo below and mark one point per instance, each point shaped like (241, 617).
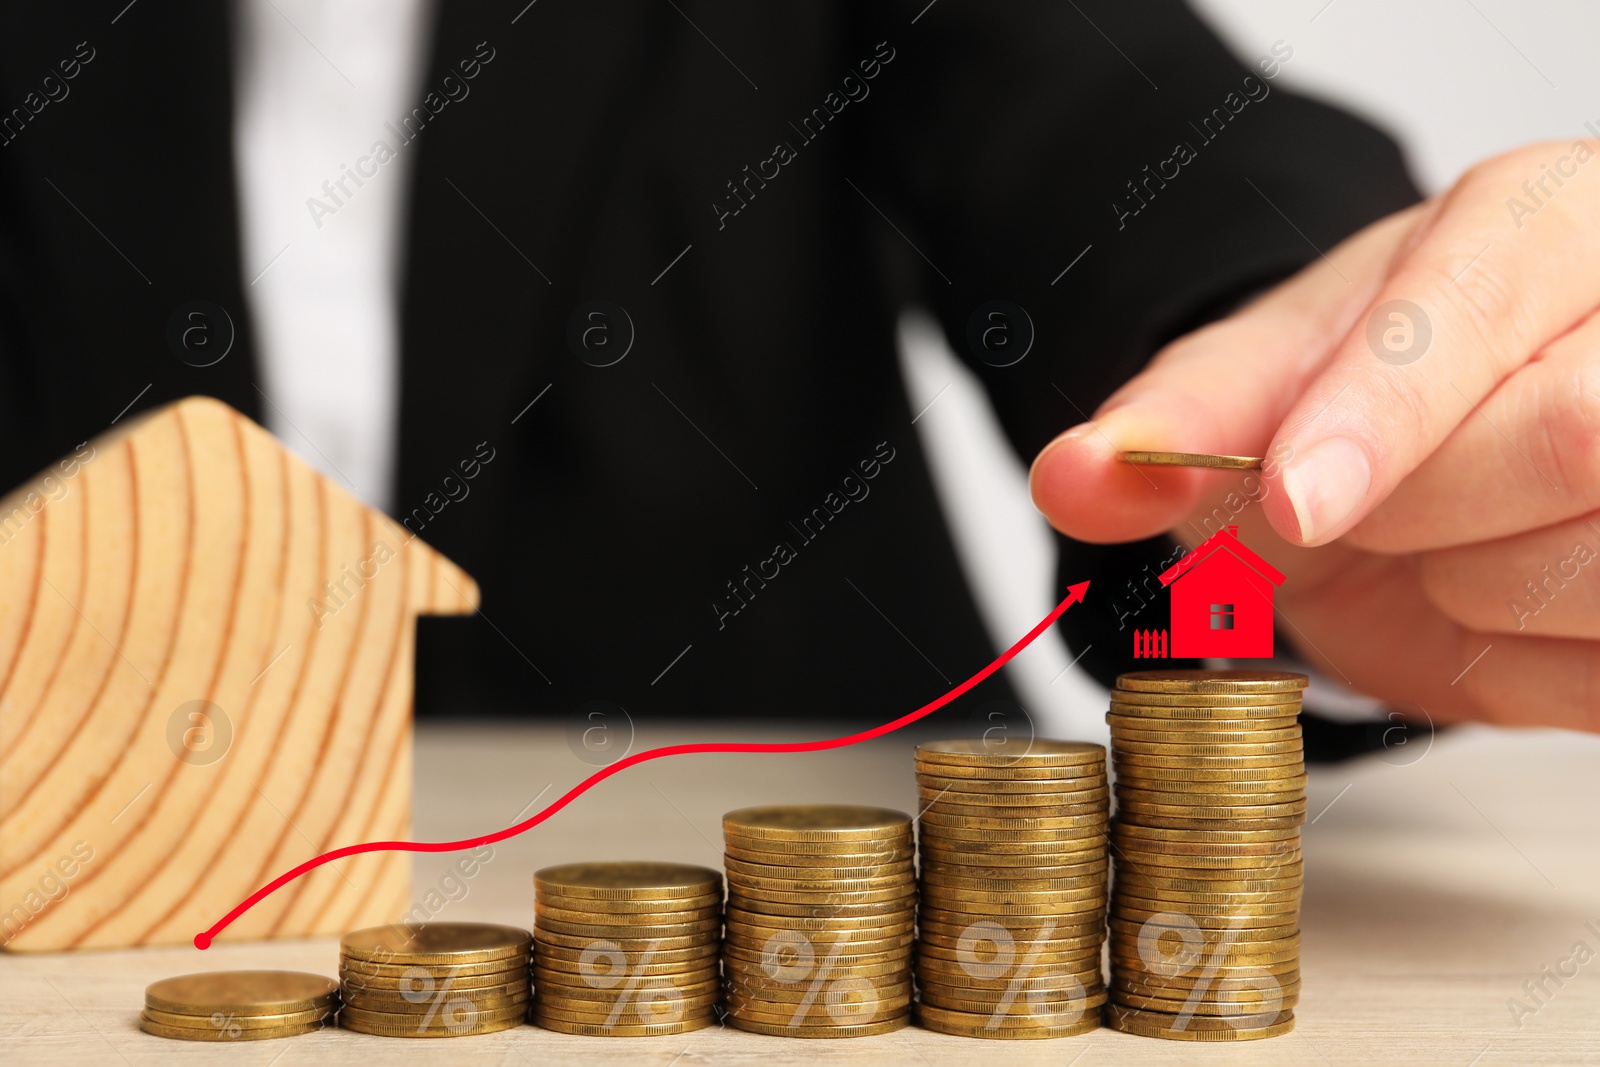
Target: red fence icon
(1149, 644)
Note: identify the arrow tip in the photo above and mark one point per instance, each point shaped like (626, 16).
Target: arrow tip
(1075, 592)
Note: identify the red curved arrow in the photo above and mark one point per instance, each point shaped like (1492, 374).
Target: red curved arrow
(203, 939)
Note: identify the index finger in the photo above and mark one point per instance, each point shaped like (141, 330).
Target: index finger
(1483, 290)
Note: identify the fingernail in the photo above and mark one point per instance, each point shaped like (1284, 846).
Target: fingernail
(1326, 484)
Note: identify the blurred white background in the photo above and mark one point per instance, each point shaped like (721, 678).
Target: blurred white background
(1454, 81)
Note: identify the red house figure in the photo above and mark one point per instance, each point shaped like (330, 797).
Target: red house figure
(1222, 600)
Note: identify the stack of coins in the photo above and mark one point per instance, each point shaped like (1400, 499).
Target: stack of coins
(239, 1005)
(626, 949)
(1012, 916)
(1205, 915)
(434, 980)
(821, 907)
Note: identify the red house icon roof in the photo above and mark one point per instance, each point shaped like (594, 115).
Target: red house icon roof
(1224, 540)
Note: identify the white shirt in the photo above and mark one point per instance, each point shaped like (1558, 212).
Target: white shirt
(322, 256)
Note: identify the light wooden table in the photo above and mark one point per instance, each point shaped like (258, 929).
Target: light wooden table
(1436, 883)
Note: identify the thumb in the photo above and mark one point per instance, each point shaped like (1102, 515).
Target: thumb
(1222, 389)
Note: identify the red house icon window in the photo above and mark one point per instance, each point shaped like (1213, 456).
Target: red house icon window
(1221, 603)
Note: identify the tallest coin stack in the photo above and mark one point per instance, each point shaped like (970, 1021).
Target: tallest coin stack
(1205, 910)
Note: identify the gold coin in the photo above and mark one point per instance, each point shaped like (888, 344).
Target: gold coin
(1155, 711)
(1244, 907)
(628, 881)
(1182, 882)
(1188, 866)
(1216, 961)
(967, 1024)
(1024, 972)
(1016, 857)
(1083, 776)
(1067, 790)
(594, 930)
(1209, 930)
(1223, 682)
(544, 912)
(1212, 989)
(815, 872)
(601, 1029)
(1206, 1008)
(937, 822)
(747, 924)
(977, 866)
(568, 959)
(885, 1026)
(421, 979)
(1233, 797)
(445, 1024)
(1193, 459)
(1136, 760)
(368, 969)
(585, 998)
(1206, 836)
(657, 906)
(1076, 951)
(1226, 971)
(624, 944)
(1016, 811)
(801, 989)
(225, 1021)
(1202, 811)
(454, 999)
(1122, 735)
(825, 855)
(1196, 1028)
(1023, 929)
(857, 942)
(1139, 847)
(776, 974)
(225, 1033)
(1021, 885)
(1092, 830)
(1181, 778)
(241, 993)
(770, 957)
(1039, 752)
(1200, 729)
(436, 943)
(605, 974)
(897, 887)
(1138, 894)
(932, 891)
(1060, 1004)
(804, 882)
(839, 1013)
(816, 822)
(754, 909)
(1127, 749)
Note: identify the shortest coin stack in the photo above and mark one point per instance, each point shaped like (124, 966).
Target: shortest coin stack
(626, 949)
(434, 980)
(821, 905)
(1012, 916)
(239, 1005)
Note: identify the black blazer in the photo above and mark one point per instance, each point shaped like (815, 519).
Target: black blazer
(760, 189)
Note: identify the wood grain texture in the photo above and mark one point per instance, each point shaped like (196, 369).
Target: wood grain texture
(206, 654)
